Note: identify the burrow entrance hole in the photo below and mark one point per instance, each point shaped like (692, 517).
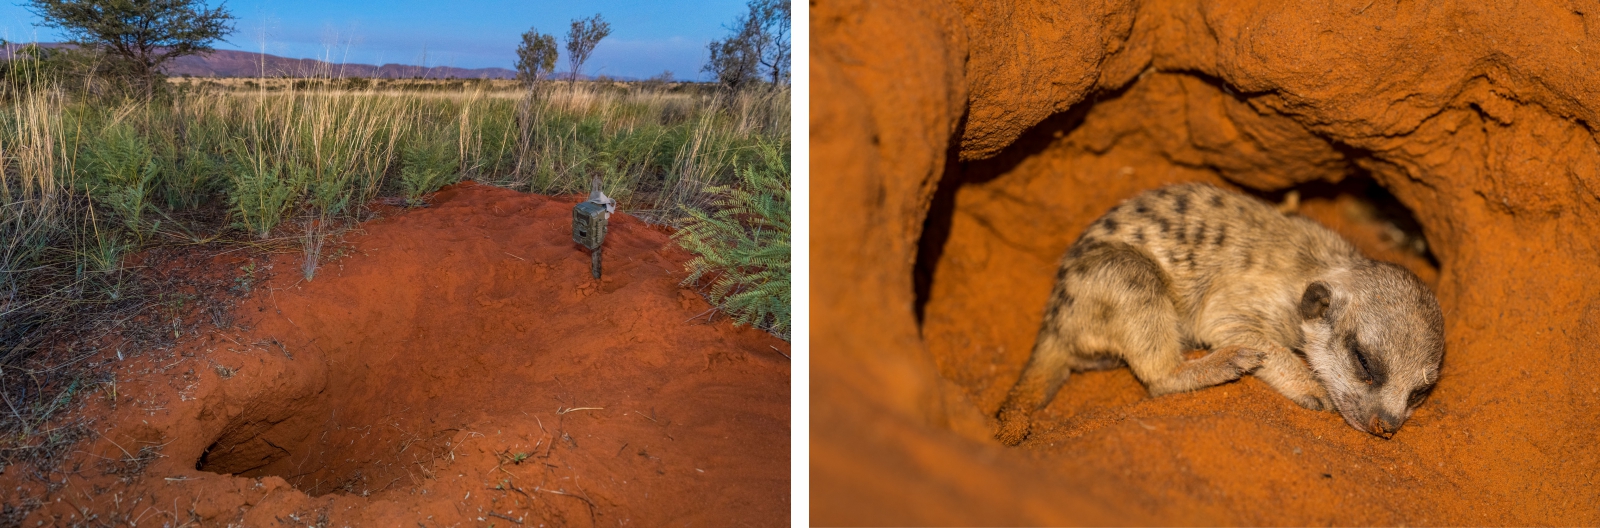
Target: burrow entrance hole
(318, 449)
(369, 419)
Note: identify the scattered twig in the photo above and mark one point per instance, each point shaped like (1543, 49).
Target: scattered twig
(564, 494)
(570, 409)
(391, 483)
(697, 316)
(645, 417)
(506, 517)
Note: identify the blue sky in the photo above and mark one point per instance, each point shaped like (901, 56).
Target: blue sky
(646, 37)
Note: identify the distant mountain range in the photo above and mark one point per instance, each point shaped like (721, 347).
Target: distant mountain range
(230, 63)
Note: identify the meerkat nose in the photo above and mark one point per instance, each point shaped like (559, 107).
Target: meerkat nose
(1381, 427)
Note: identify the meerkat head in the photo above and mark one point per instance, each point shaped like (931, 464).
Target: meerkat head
(1374, 337)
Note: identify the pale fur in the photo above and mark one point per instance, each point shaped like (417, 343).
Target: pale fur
(1196, 267)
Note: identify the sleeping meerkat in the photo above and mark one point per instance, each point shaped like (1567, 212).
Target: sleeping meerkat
(1193, 266)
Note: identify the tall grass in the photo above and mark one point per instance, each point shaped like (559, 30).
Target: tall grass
(322, 153)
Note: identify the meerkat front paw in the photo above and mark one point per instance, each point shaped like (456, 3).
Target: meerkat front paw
(1313, 402)
(1244, 359)
(1316, 400)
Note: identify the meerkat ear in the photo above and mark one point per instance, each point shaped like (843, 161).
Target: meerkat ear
(1315, 302)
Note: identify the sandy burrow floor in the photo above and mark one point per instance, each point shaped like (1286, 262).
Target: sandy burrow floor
(450, 365)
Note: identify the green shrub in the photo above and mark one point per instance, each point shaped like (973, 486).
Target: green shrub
(263, 191)
(189, 153)
(742, 245)
(426, 166)
(118, 172)
(185, 177)
(357, 83)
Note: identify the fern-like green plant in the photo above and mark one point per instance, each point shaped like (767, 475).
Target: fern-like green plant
(741, 245)
(120, 170)
(426, 166)
(263, 192)
(190, 170)
(186, 178)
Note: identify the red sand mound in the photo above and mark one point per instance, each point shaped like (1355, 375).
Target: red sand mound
(457, 365)
(958, 148)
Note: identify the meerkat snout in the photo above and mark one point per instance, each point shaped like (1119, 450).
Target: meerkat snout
(1374, 337)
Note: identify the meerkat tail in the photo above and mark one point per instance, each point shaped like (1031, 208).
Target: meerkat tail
(1046, 371)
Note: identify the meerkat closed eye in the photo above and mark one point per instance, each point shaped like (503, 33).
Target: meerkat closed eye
(1194, 266)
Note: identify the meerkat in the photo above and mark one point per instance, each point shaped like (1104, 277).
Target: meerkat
(1277, 296)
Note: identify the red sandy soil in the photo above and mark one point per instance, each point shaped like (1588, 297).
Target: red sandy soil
(958, 147)
(455, 366)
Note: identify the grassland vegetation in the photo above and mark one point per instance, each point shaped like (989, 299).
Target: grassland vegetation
(75, 69)
(428, 164)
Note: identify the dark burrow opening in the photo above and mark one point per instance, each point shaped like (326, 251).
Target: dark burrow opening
(332, 439)
(320, 460)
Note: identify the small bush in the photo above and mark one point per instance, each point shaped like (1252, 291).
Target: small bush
(357, 84)
(119, 171)
(186, 176)
(263, 192)
(425, 167)
(743, 244)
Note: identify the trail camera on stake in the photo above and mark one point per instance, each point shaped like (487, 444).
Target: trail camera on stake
(589, 223)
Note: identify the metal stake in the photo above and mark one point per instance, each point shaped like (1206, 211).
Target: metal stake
(594, 262)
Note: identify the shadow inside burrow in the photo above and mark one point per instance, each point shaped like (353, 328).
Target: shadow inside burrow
(941, 212)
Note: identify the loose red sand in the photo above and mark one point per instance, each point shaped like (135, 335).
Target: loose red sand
(457, 366)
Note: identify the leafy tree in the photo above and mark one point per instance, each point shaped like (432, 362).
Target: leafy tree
(140, 35)
(733, 61)
(582, 38)
(774, 16)
(536, 57)
(758, 50)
